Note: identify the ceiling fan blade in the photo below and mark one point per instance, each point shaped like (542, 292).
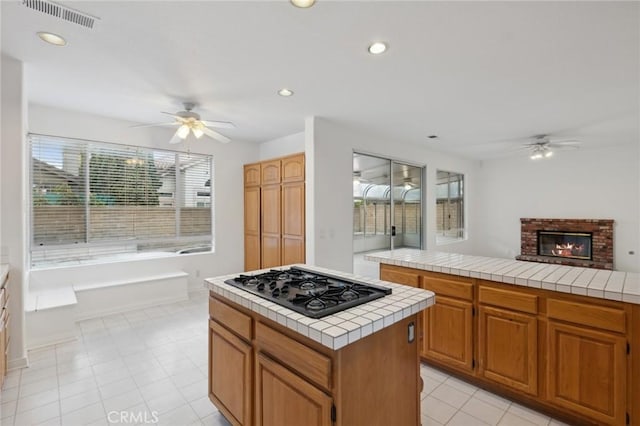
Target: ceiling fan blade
(565, 142)
(177, 117)
(564, 146)
(175, 139)
(175, 123)
(215, 135)
(219, 124)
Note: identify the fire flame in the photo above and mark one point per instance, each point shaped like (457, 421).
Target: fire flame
(568, 249)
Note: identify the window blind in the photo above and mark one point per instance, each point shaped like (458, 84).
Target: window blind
(92, 199)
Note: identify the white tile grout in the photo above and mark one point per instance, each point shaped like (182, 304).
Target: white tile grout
(568, 279)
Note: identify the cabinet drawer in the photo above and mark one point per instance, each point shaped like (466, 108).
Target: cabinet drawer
(309, 363)
(446, 287)
(513, 300)
(400, 277)
(231, 318)
(592, 315)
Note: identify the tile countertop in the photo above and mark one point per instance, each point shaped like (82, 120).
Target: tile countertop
(613, 285)
(340, 329)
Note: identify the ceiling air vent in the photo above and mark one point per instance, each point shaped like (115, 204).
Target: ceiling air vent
(62, 12)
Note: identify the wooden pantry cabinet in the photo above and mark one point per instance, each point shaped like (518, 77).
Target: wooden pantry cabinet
(262, 373)
(274, 212)
(573, 356)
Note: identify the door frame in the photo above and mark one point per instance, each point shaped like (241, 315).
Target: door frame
(423, 180)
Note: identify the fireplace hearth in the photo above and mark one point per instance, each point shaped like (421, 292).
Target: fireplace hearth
(573, 242)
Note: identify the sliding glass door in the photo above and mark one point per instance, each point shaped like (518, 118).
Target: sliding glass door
(406, 205)
(387, 204)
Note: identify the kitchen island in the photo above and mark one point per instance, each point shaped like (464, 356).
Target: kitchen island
(272, 366)
(562, 339)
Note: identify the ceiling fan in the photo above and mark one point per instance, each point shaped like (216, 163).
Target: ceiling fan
(542, 146)
(188, 121)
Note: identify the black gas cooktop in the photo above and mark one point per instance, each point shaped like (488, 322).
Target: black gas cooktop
(310, 293)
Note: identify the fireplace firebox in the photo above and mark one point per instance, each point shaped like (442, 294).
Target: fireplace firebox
(595, 236)
(572, 245)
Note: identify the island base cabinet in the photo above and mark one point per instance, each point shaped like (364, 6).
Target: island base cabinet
(507, 346)
(262, 373)
(587, 372)
(283, 398)
(448, 333)
(230, 379)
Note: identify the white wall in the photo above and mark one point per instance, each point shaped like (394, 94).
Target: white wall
(329, 150)
(291, 144)
(12, 201)
(227, 191)
(582, 184)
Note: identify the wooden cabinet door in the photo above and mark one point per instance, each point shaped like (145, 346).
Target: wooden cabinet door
(271, 225)
(230, 378)
(252, 174)
(293, 168)
(394, 275)
(448, 333)
(508, 348)
(252, 254)
(270, 172)
(293, 223)
(285, 399)
(587, 372)
(252, 228)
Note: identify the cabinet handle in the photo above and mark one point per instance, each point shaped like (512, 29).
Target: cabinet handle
(411, 332)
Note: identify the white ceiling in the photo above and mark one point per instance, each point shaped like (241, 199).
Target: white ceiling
(481, 75)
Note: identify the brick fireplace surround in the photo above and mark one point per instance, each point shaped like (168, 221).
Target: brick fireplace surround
(601, 248)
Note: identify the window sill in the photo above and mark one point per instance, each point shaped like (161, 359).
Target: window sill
(116, 258)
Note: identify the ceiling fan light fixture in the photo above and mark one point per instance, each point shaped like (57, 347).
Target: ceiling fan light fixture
(197, 132)
(548, 154)
(356, 177)
(285, 92)
(303, 4)
(183, 131)
(52, 38)
(377, 48)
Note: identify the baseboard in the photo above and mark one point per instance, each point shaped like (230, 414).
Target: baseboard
(17, 363)
(53, 342)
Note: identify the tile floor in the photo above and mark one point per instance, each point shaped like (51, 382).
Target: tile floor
(450, 401)
(150, 366)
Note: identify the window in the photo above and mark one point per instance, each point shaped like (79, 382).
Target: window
(93, 199)
(449, 207)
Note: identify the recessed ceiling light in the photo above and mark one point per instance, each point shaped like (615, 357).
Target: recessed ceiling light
(303, 3)
(51, 38)
(377, 48)
(285, 92)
